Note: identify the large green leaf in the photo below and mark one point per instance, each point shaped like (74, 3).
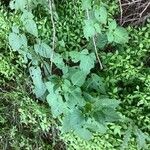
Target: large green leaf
(18, 4)
(78, 78)
(39, 86)
(87, 61)
(120, 35)
(74, 98)
(55, 100)
(29, 23)
(101, 15)
(43, 50)
(96, 83)
(15, 41)
(89, 29)
(31, 27)
(84, 133)
(101, 41)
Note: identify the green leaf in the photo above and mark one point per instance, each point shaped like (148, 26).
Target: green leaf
(141, 139)
(78, 78)
(84, 133)
(120, 35)
(96, 83)
(95, 126)
(89, 29)
(39, 86)
(101, 41)
(31, 27)
(43, 50)
(126, 138)
(75, 56)
(110, 37)
(74, 98)
(97, 28)
(101, 15)
(59, 62)
(15, 41)
(55, 100)
(18, 4)
(111, 103)
(112, 25)
(29, 23)
(87, 62)
(86, 4)
(77, 119)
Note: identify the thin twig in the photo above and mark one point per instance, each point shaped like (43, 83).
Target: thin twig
(94, 43)
(54, 34)
(144, 9)
(130, 3)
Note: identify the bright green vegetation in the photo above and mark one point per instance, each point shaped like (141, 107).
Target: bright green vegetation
(27, 123)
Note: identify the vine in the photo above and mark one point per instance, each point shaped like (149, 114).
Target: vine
(77, 96)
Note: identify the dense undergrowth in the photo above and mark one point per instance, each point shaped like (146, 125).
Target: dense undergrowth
(27, 123)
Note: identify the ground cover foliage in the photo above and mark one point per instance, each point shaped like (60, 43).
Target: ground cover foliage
(128, 70)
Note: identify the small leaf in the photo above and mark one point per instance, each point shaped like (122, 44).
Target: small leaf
(101, 15)
(78, 78)
(43, 50)
(120, 35)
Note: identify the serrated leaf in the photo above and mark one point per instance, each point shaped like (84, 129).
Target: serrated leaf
(18, 4)
(76, 118)
(97, 28)
(84, 133)
(59, 62)
(39, 86)
(86, 4)
(120, 35)
(101, 15)
(74, 98)
(96, 83)
(87, 62)
(43, 50)
(110, 37)
(94, 126)
(89, 29)
(14, 41)
(75, 56)
(78, 78)
(31, 27)
(106, 102)
(101, 41)
(126, 138)
(141, 139)
(55, 100)
(112, 25)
